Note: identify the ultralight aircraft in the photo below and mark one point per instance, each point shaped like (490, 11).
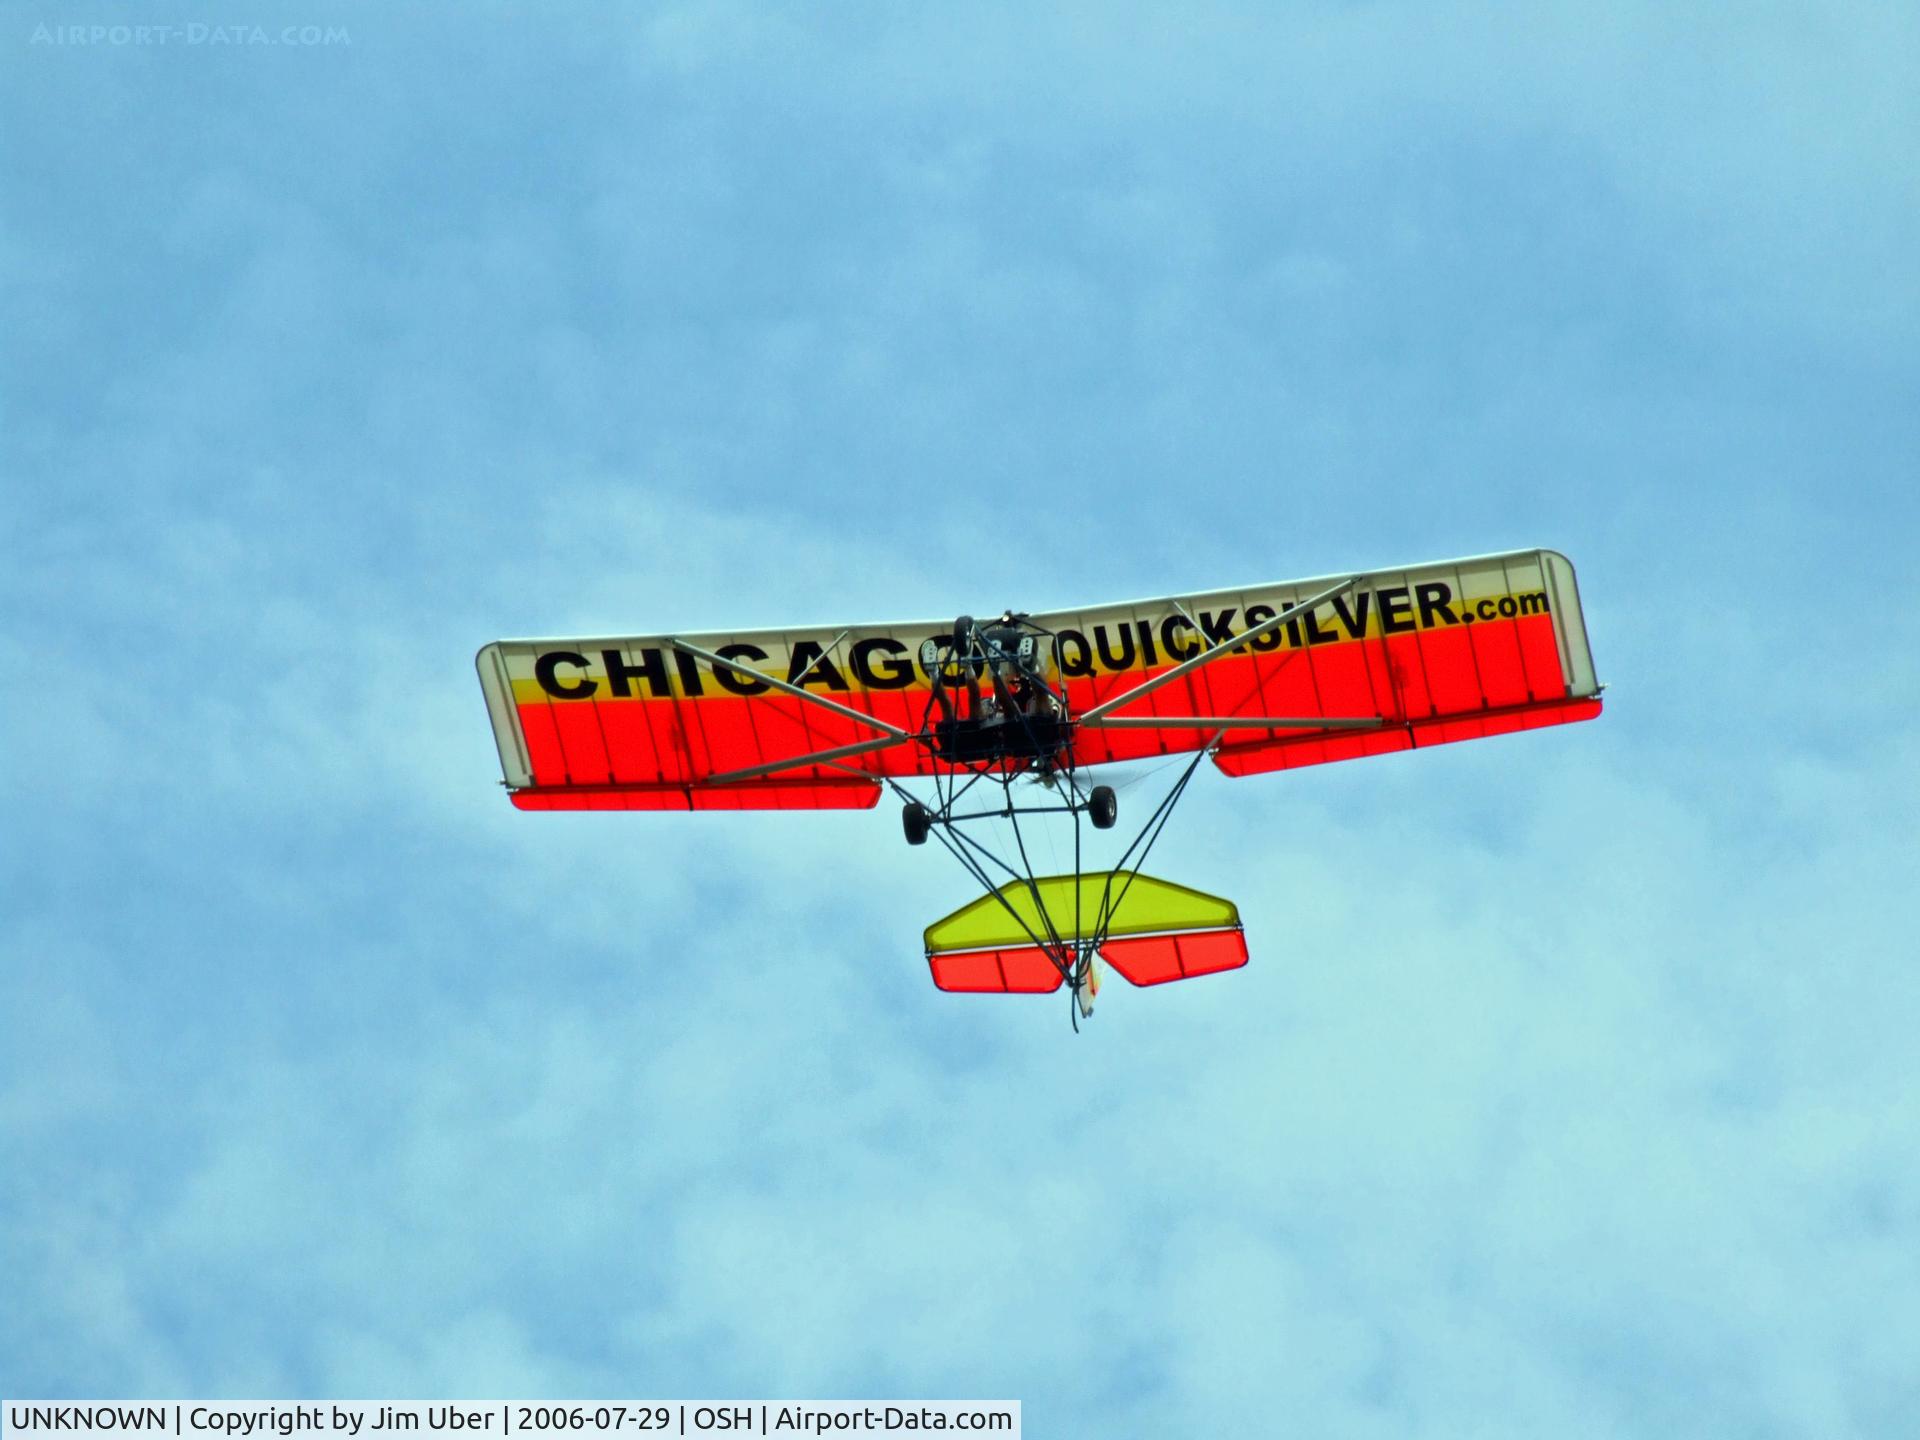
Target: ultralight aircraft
(1014, 717)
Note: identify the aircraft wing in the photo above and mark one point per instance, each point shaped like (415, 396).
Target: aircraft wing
(813, 718)
(1359, 664)
(708, 721)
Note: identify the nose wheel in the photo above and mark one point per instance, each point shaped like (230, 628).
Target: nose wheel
(916, 820)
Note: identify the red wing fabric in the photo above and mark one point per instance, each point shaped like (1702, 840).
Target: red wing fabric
(1419, 656)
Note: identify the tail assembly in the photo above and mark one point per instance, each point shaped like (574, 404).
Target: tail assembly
(1031, 937)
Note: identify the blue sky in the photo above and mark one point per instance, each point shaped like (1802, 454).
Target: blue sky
(1570, 1089)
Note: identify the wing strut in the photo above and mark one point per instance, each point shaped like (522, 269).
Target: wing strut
(1237, 722)
(818, 757)
(1265, 627)
(748, 672)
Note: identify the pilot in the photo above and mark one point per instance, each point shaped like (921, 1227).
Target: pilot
(1020, 693)
(1015, 651)
(977, 704)
(1009, 653)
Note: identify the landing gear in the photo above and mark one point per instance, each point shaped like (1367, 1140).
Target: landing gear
(998, 716)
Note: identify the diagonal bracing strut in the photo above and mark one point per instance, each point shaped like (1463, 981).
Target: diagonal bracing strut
(894, 734)
(748, 672)
(1265, 627)
(818, 757)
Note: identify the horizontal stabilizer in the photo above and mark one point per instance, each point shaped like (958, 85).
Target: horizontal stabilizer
(1023, 937)
(1017, 970)
(1156, 959)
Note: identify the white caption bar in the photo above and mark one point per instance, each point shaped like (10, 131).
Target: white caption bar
(551, 1419)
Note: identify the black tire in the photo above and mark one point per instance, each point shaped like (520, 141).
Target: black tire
(1102, 807)
(916, 820)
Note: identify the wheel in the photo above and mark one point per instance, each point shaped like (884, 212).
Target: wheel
(916, 820)
(1102, 807)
